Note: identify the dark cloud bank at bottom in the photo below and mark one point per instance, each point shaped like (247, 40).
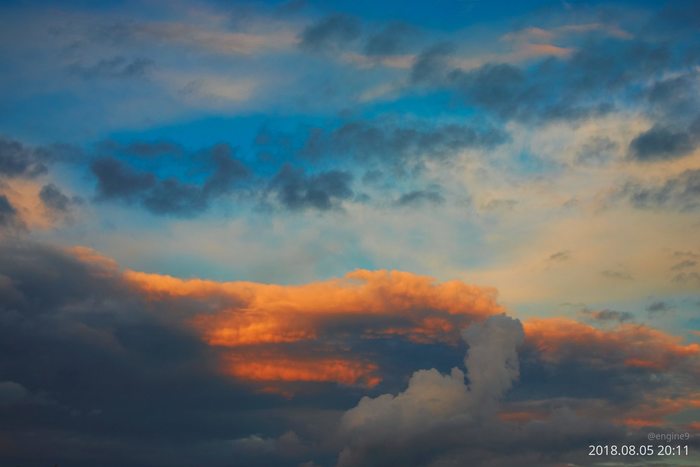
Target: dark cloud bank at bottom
(92, 373)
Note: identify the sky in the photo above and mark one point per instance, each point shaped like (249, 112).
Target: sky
(348, 233)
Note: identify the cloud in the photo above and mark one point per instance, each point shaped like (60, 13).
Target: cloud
(258, 313)
(608, 315)
(429, 65)
(271, 335)
(674, 100)
(492, 360)
(210, 35)
(685, 264)
(539, 35)
(617, 275)
(390, 40)
(683, 270)
(136, 344)
(598, 151)
(11, 393)
(420, 197)
(324, 191)
(142, 148)
(626, 345)
(499, 205)
(331, 32)
(8, 214)
(169, 196)
(571, 83)
(692, 277)
(434, 402)
(679, 192)
(659, 307)
(399, 147)
(114, 68)
(660, 143)
(77, 337)
(258, 450)
(560, 256)
(55, 200)
(528, 95)
(275, 369)
(115, 180)
(17, 160)
(678, 17)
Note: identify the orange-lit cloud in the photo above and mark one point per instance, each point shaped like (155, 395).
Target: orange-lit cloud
(266, 313)
(633, 345)
(279, 368)
(96, 259)
(277, 335)
(23, 195)
(374, 304)
(654, 411)
(360, 291)
(430, 329)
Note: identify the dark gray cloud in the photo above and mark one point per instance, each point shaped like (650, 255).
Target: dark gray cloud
(691, 277)
(170, 196)
(399, 146)
(597, 151)
(54, 199)
(675, 99)
(547, 92)
(145, 149)
(685, 264)
(153, 148)
(607, 315)
(115, 180)
(685, 271)
(430, 65)
(677, 17)
(392, 39)
(659, 307)
(680, 193)
(115, 68)
(331, 32)
(8, 214)
(499, 205)
(385, 150)
(11, 393)
(617, 274)
(661, 143)
(560, 256)
(109, 377)
(324, 191)
(570, 88)
(226, 170)
(419, 198)
(18, 160)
